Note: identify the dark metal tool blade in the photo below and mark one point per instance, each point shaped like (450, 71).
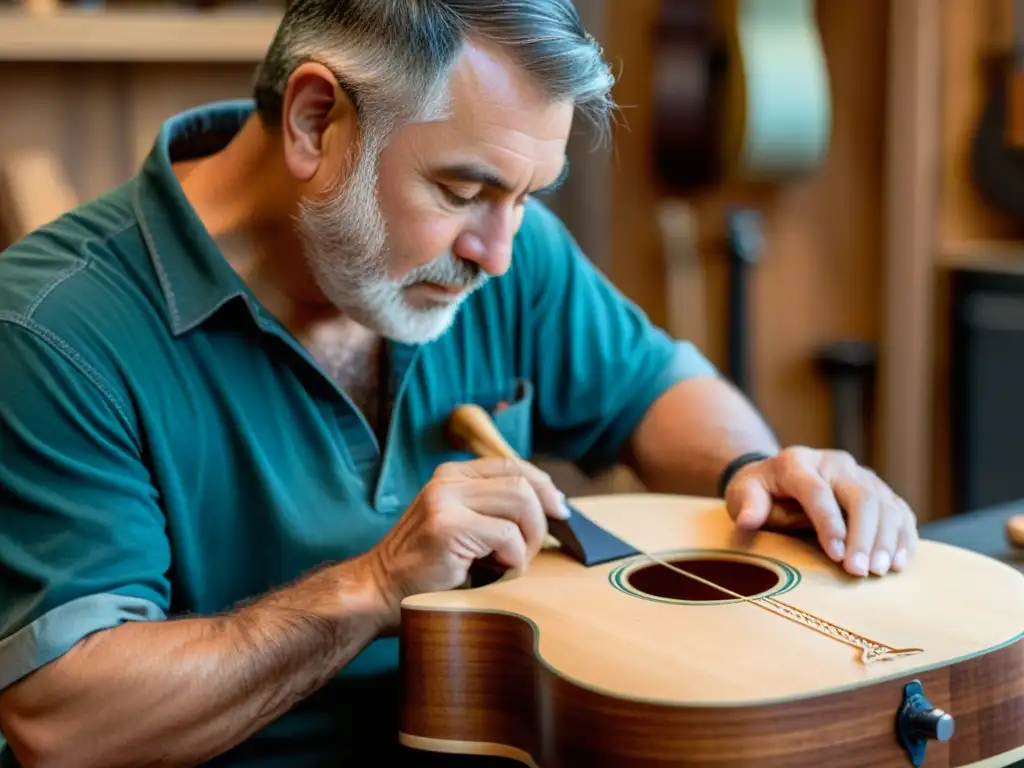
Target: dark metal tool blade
(588, 542)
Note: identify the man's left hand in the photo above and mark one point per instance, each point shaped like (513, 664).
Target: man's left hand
(879, 531)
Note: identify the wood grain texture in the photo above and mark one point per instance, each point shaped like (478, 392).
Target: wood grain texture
(119, 35)
(500, 692)
(560, 668)
(821, 275)
(99, 120)
(913, 168)
(967, 226)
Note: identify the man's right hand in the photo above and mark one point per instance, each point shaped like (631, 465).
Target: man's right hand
(468, 511)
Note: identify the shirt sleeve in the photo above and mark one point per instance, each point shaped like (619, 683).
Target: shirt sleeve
(82, 537)
(598, 362)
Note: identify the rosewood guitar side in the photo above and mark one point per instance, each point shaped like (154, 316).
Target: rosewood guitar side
(613, 665)
(475, 684)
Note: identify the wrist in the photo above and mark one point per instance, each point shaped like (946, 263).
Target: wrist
(342, 599)
(734, 466)
(375, 596)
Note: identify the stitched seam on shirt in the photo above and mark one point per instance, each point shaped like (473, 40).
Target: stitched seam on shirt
(61, 277)
(77, 266)
(161, 273)
(68, 352)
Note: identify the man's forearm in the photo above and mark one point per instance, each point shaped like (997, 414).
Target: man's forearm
(690, 435)
(179, 692)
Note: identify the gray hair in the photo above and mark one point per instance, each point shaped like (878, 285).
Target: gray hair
(393, 57)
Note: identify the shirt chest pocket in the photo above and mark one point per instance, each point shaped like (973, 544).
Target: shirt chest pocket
(514, 418)
(511, 411)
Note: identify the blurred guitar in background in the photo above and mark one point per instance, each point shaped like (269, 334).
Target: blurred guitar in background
(741, 96)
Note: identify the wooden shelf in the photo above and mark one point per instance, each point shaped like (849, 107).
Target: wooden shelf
(137, 36)
(1005, 256)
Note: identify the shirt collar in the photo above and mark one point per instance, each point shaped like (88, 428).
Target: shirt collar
(195, 277)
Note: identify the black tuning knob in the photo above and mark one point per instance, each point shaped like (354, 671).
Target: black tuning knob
(918, 722)
(933, 724)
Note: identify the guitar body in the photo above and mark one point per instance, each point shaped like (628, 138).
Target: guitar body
(996, 164)
(687, 66)
(777, 102)
(630, 663)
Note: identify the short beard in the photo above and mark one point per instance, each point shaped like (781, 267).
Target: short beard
(347, 247)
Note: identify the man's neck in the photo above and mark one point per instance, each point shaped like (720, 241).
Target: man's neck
(246, 201)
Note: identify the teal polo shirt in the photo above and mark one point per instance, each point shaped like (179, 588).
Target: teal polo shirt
(169, 448)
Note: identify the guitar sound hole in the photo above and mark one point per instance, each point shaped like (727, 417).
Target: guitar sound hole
(743, 578)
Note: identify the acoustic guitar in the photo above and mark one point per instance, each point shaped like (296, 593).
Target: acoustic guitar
(661, 637)
(777, 108)
(777, 125)
(687, 65)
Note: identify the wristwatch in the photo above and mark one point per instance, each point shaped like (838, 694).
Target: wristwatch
(735, 466)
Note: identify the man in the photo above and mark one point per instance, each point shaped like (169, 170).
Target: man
(225, 385)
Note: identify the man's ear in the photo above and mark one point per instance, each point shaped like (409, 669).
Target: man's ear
(314, 104)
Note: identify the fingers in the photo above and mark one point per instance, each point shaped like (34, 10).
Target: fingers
(883, 530)
(906, 542)
(863, 511)
(891, 521)
(511, 498)
(799, 479)
(749, 502)
(482, 535)
(551, 499)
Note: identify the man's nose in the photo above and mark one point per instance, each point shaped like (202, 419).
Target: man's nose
(488, 240)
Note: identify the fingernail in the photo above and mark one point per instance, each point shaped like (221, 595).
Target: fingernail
(900, 559)
(838, 548)
(880, 563)
(859, 564)
(564, 509)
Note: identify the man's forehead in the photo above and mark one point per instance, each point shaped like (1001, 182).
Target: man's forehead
(497, 128)
(486, 85)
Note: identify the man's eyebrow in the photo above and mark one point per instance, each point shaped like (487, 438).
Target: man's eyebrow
(554, 185)
(476, 174)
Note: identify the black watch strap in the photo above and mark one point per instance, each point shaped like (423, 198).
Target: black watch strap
(735, 466)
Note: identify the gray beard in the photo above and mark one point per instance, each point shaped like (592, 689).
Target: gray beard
(346, 245)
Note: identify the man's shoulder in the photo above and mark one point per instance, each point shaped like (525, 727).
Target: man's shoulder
(78, 284)
(58, 254)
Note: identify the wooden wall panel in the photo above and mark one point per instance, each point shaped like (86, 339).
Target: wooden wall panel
(969, 231)
(100, 119)
(821, 276)
(70, 110)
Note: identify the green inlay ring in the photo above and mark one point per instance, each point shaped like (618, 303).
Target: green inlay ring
(788, 576)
